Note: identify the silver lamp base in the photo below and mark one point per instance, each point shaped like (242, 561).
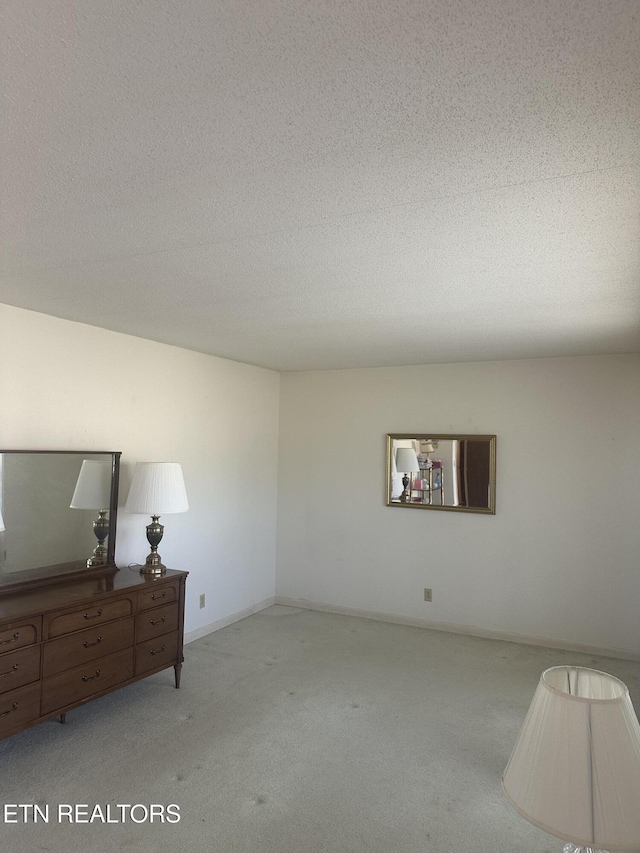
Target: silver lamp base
(101, 530)
(153, 564)
(576, 848)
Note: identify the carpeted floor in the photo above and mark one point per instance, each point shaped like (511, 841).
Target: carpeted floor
(295, 732)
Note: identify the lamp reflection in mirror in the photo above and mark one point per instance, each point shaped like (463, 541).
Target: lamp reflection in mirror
(575, 769)
(157, 489)
(406, 463)
(93, 491)
(426, 449)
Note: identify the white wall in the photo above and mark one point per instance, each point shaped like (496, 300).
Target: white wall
(561, 558)
(558, 561)
(65, 385)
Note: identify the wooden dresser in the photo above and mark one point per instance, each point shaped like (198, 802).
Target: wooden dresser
(68, 641)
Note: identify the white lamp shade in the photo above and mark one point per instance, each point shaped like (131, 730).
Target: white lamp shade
(93, 489)
(2, 527)
(575, 769)
(406, 460)
(157, 488)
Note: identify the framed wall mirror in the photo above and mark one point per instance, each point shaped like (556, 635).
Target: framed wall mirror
(450, 472)
(57, 513)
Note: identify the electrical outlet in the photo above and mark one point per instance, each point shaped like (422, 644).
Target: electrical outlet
(202, 600)
(428, 594)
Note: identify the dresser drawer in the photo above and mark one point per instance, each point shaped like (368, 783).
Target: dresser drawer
(94, 614)
(19, 667)
(87, 645)
(154, 623)
(155, 653)
(19, 706)
(157, 595)
(78, 683)
(17, 635)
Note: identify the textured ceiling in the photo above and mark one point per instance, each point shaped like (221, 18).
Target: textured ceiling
(306, 184)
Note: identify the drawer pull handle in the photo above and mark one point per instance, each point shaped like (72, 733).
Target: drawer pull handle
(91, 677)
(157, 621)
(157, 651)
(154, 596)
(95, 616)
(88, 645)
(14, 707)
(13, 669)
(12, 640)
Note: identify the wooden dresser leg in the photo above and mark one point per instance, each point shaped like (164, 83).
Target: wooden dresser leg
(63, 718)
(178, 669)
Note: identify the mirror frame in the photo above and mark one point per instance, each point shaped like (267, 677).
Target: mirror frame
(423, 436)
(14, 581)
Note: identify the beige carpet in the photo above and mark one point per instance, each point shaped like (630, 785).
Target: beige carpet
(296, 732)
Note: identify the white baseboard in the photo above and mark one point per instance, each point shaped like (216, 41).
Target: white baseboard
(455, 628)
(228, 620)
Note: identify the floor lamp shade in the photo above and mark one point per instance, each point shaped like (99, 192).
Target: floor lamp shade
(575, 769)
(157, 488)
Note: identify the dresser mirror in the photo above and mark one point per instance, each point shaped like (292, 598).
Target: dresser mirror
(446, 472)
(57, 513)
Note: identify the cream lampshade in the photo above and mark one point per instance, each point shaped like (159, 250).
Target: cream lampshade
(2, 527)
(157, 489)
(575, 769)
(93, 491)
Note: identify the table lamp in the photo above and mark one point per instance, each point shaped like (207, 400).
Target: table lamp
(157, 489)
(575, 769)
(93, 491)
(406, 463)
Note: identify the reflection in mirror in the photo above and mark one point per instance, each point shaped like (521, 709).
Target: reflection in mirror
(450, 472)
(93, 491)
(54, 506)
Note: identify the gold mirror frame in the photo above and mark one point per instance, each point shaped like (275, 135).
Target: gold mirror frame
(415, 498)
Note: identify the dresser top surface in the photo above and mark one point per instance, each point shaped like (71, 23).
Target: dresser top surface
(52, 596)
